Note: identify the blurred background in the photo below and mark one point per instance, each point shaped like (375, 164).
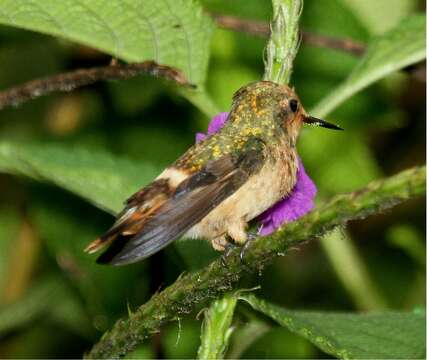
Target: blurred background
(55, 301)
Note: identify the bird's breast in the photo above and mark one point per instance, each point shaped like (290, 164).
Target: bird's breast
(273, 182)
(261, 191)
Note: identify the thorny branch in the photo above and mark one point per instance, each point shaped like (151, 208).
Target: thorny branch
(71, 80)
(193, 288)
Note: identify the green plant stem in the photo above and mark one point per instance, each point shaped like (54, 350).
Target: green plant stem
(216, 327)
(352, 270)
(283, 44)
(195, 287)
(281, 51)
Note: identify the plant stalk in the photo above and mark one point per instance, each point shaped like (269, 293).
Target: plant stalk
(215, 279)
(284, 41)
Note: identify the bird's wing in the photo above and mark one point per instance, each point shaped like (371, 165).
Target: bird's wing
(192, 200)
(138, 208)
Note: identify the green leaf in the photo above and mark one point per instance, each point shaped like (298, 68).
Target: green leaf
(385, 335)
(260, 10)
(245, 336)
(279, 343)
(48, 297)
(380, 15)
(398, 48)
(59, 224)
(170, 32)
(101, 178)
(10, 221)
(104, 180)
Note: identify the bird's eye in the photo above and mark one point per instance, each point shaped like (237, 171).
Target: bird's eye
(293, 104)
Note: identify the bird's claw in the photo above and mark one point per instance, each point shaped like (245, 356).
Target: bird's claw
(251, 237)
(227, 251)
(243, 249)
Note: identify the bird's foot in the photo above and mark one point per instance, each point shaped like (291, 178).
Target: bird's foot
(230, 245)
(251, 237)
(228, 249)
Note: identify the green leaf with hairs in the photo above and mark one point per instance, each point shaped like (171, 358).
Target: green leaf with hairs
(400, 47)
(103, 179)
(170, 32)
(99, 177)
(382, 335)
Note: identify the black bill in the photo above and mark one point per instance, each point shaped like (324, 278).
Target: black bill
(319, 122)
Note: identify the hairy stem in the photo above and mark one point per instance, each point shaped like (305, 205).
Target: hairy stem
(216, 327)
(195, 287)
(284, 40)
(281, 50)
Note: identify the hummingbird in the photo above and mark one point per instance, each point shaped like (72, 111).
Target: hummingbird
(218, 185)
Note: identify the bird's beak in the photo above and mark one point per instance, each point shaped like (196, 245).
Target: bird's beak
(319, 122)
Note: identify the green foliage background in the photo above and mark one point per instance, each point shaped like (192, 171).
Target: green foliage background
(97, 145)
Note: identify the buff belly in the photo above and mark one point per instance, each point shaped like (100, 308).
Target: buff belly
(260, 192)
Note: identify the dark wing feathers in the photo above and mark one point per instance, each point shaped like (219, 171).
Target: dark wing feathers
(194, 198)
(171, 222)
(139, 207)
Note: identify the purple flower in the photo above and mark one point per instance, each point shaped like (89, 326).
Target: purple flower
(295, 205)
(216, 124)
(298, 203)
